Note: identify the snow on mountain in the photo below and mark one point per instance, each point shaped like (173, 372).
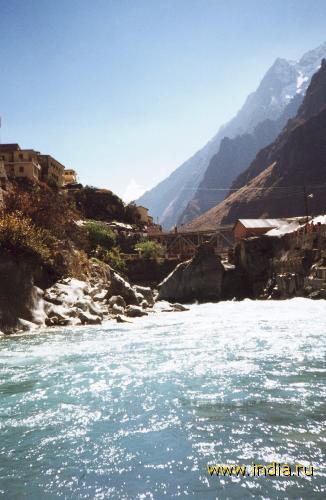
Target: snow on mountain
(284, 80)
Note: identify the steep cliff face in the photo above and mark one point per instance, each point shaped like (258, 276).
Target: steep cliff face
(234, 156)
(274, 183)
(20, 280)
(283, 81)
(314, 101)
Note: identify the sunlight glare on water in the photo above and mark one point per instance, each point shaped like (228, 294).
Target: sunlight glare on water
(138, 410)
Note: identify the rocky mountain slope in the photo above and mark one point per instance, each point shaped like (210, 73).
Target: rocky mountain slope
(274, 184)
(284, 80)
(234, 157)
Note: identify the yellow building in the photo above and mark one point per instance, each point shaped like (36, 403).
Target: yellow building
(31, 164)
(20, 162)
(144, 215)
(69, 176)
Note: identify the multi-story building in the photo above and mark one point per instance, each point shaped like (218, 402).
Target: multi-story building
(52, 170)
(32, 164)
(20, 162)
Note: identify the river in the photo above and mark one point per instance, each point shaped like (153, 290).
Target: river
(137, 411)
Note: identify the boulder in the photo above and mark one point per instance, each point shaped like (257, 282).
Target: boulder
(135, 312)
(115, 309)
(197, 279)
(119, 286)
(122, 319)
(146, 292)
(100, 296)
(89, 319)
(179, 307)
(117, 300)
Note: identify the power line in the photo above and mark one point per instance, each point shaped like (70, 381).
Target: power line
(317, 186)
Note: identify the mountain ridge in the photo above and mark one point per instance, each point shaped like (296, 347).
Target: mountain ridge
(169, 198)
(234, 156)
(274, 184)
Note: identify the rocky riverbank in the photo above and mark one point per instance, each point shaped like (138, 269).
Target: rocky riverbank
(265, 267)
(28, 302)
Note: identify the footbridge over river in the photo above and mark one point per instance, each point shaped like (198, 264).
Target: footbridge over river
(184, 243)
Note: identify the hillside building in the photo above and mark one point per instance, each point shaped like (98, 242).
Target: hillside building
(33, 165)
(144, 215)
(69, 176)
(20, 162)
(52, 170)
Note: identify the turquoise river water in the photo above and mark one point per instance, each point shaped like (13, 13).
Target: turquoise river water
(138, 411)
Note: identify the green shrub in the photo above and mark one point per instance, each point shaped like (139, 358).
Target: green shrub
(100, 236)
(150, 249)
(112, 257)
(19, 235)
(115, 259)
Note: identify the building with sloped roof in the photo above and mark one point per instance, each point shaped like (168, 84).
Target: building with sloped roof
(244, 228)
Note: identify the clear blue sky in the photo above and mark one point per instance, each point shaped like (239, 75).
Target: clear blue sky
(126, 90)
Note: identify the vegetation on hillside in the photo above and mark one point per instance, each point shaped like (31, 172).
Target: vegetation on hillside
(103, 205)
(19, 235)
(43, 221)
(150, 249)
(100, 235)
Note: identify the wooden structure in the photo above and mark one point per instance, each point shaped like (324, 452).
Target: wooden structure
(184, 244)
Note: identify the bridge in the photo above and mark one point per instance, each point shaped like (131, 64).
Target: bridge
(184, 244)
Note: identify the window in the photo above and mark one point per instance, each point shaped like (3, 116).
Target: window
(21, 156)
(21, 169)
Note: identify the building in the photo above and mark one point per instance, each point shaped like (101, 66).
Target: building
(31, 164)
(69, 176)
(144, 215)
(52, 170)
(20, 162)
(3, 175)
(244, 228)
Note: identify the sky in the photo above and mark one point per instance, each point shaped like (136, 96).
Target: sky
(124, 91)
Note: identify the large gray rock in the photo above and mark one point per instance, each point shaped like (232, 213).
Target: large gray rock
(119, 286)
(117, 300)
(146, 292)
(197, 279)
(135, 312)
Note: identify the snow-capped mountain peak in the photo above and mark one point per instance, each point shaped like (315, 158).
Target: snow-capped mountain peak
(284, 81)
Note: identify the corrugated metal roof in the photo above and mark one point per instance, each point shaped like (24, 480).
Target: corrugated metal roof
(262, 223)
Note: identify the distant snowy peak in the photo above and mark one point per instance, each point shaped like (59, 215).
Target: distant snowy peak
(281, 83)
(282, 87)
(306, 67)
